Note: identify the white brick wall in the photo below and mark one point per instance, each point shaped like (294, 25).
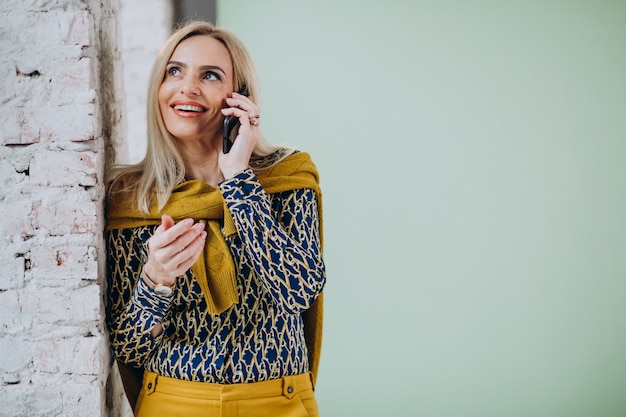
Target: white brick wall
(60, 112)
(62, 119)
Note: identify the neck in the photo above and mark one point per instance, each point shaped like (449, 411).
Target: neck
(201, 161)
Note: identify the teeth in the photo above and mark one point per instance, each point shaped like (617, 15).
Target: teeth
(188, 107)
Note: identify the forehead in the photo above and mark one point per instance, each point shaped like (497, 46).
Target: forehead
(202, 50)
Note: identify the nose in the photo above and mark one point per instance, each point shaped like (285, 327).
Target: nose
(190, 86)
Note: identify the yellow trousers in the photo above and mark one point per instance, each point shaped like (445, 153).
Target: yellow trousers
(290, 396)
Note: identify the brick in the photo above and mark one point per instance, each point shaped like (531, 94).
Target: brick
(85, 303)
(62, 305)
(46, 123)
(16, 354)
(72, 75)
(16, 210)
(80, 394)
(80, 397)
(70, 123)
(10, 178)
(45, 305)
(64, 168)
(45, 5)
(57, 27)
(19, 129)
(12, 321)
(63, 123)
(8, 79)
(14, 164)
(66, 213)
(76, 355)
(32, 401)
(55, 265)
(49, 82)
(13, 265)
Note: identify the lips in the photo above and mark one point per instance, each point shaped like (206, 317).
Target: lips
(188, 107)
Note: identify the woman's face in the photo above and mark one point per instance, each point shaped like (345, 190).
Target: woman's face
(198, 78)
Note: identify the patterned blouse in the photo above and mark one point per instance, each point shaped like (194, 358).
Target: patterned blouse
(280, 272)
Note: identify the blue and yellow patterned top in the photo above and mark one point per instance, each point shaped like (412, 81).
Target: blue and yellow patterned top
(280, 272)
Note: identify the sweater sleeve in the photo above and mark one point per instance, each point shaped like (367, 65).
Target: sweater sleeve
(281, 238)
(133, 309)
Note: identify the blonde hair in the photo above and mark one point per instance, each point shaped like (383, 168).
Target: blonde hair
(162, 168)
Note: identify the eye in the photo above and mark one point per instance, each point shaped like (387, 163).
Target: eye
(173, 71)
(211, 76)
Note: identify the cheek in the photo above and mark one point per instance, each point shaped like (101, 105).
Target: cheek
(217, 97)
(163, 98)
(163, 95)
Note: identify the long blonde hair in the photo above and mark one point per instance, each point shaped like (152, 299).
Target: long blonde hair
(162, 168)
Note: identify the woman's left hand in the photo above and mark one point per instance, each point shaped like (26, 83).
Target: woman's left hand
(238, 158)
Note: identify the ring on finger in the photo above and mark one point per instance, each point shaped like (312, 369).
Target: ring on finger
(254, 120)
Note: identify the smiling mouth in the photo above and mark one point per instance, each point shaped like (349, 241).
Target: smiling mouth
(189, 108)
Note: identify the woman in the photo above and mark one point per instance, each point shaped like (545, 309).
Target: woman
(214, 258)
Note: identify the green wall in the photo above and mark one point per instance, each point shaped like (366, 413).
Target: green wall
(473, 162)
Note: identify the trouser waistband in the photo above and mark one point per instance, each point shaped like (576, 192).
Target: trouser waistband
(287, 386)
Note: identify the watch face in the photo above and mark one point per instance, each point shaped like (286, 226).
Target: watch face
(163, 290)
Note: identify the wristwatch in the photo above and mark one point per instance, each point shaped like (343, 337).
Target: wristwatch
(159, 289)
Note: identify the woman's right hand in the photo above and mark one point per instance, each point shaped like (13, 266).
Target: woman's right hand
(173, 249)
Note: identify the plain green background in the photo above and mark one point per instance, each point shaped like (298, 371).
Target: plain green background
(473, 164)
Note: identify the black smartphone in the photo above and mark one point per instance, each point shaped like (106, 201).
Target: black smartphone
(231, 126)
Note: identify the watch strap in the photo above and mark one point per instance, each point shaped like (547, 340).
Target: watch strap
(158, 288)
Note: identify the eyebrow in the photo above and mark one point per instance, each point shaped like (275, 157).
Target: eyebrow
(202, 67)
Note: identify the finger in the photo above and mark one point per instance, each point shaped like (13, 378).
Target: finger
(167, 221)
(243, 115)
(244, 103)
(171, 266)
(176, 252)
(179, 229)
(188, 237)
(164, 236)
(238, 100)
(188, 256)
(235, 111)
(168, 249)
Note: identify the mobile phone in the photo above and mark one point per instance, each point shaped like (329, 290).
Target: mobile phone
(231, 126)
